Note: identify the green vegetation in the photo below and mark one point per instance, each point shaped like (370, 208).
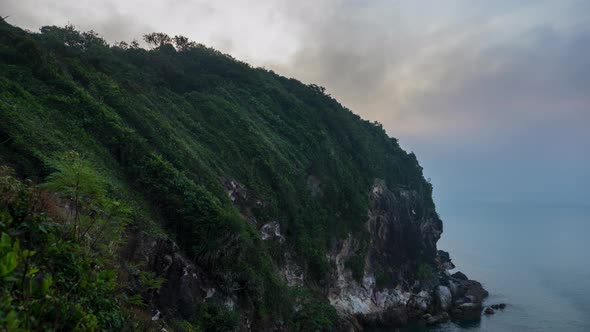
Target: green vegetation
(425, 272)
(50, 279)
(154, 130)
(216, 317)
(315, 313)
(382, 279)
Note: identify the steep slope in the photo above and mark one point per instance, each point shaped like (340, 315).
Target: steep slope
(249, 192)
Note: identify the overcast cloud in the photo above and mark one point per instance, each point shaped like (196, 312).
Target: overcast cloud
(493, 96)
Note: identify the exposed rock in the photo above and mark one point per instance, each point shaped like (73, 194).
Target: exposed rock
(243, 198)
(185, 285)
(402, 234)
(444, 260)
(453, 287)
(271, 230)
(444, 297)
(156, 315)
(437, 319)
(475, 289)
(498, 306)
(470, 289)
(291, 272)
(489, 311)
(401, 238)
(396, 316)
(459, 276)
(421, 301)
(467, 311)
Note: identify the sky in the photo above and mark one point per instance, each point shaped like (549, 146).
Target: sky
(492, 96)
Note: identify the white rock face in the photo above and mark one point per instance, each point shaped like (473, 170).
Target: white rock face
(291, 272)
(394, 221)
(444, 296)
(358, 300)
(423, 300)
(350, 297)
(454, 288)
(271, 230)
(157, 315)
(210, 293)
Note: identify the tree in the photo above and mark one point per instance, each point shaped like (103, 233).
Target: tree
(183, 43)
(157, 39)
(122, 45)
(75, 180)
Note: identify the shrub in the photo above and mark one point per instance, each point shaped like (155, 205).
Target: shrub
(47, 281)
(425, 272)
(216, 317)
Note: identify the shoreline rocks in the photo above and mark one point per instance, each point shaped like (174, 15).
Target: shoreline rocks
(498, 306)
(489, 311)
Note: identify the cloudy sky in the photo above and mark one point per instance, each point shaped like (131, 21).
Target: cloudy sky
(492, 96)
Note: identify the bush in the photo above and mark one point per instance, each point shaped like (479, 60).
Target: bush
(356, 264)
(313, 314)
(49, 281)
(215, 317)
(382, 279)
(425, 272)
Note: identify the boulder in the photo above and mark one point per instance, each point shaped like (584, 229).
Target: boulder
(437, 319)
(467, 311)
(444, 297)
(421, 301)
(454, 287)
(444, 260)
(459, 276)
(475, 290)
(489, 311)
(498, 306)
(397, 316)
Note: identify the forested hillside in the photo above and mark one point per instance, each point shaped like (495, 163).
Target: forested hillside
(101, 142)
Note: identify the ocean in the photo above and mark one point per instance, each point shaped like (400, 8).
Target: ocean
(534, 258)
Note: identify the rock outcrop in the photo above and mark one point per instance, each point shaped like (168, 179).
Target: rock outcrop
(403, 238)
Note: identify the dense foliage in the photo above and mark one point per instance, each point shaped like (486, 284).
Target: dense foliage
(158, 129)
(51, 279)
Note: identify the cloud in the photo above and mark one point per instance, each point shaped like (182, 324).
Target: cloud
(456, 72)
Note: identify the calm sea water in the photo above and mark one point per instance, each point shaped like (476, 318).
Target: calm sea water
(534, 258)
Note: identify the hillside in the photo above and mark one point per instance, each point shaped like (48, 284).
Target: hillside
(277, 202)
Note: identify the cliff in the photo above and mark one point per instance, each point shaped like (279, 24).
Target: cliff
(251, 201)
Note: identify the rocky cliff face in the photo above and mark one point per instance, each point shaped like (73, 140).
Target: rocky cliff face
(405, 278)
(402, 243)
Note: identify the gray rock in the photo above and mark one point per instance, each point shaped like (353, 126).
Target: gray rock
(498, 306)
(489, 311)
(422, 300)
(444, 297)
(454, 288)
(444, 260)
(475, 289)
(437, 319)
(468, 311)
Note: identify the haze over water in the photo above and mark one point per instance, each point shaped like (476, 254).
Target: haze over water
(532, 257)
